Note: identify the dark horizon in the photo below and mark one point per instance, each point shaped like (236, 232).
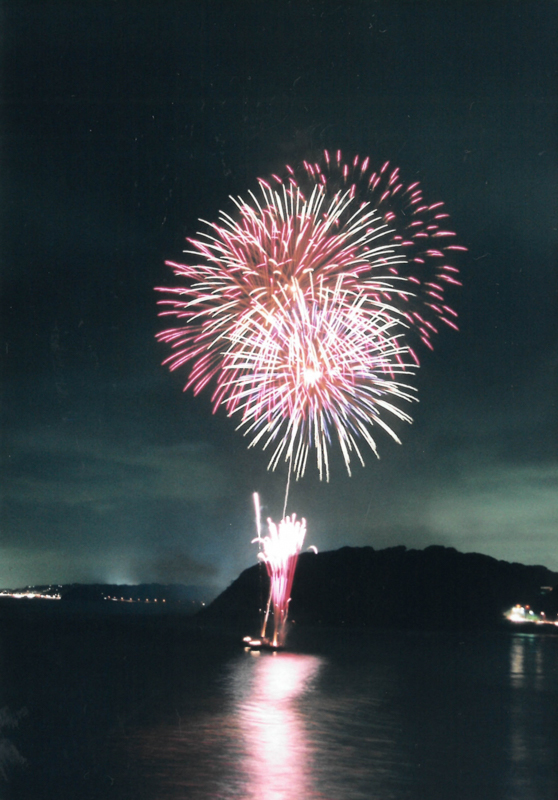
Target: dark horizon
(216, 590)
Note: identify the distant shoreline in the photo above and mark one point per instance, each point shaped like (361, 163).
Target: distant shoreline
(355, 588)
(98, 613)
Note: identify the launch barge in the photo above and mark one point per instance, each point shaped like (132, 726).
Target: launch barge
(261, 643)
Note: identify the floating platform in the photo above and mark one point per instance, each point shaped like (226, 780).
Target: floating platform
(261, 643)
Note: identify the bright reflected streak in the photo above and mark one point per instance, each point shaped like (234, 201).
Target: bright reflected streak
(278, 753)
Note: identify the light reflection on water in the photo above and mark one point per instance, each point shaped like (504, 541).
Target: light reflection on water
(527, 657)
(249, 740)
(532, 662)
(254, 744)
(277, 761)
(356, 716)
(396, 718)
(286, 726)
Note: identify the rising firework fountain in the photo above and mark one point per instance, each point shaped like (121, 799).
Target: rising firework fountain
(279, 552)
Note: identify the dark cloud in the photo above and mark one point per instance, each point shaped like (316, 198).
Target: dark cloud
(82, 496)
(174, 566)
(506, 511)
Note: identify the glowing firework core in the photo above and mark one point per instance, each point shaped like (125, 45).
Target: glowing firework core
(279, 553)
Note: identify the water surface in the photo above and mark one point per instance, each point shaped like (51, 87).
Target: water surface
(161, 712)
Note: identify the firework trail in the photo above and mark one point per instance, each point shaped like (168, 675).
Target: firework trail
(304, 311)
(279, 553)
(258, 513)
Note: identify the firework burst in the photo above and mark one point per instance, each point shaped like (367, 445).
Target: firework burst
(303, 311)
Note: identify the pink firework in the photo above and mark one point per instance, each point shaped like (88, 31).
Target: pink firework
(302, 311)
(280, 550)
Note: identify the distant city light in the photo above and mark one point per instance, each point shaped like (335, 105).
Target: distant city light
(524, 614)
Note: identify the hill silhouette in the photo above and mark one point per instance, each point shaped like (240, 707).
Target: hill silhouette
(435, 588)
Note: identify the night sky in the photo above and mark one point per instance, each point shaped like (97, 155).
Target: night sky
(125, 122)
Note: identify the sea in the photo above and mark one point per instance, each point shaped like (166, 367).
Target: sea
(155, 708)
